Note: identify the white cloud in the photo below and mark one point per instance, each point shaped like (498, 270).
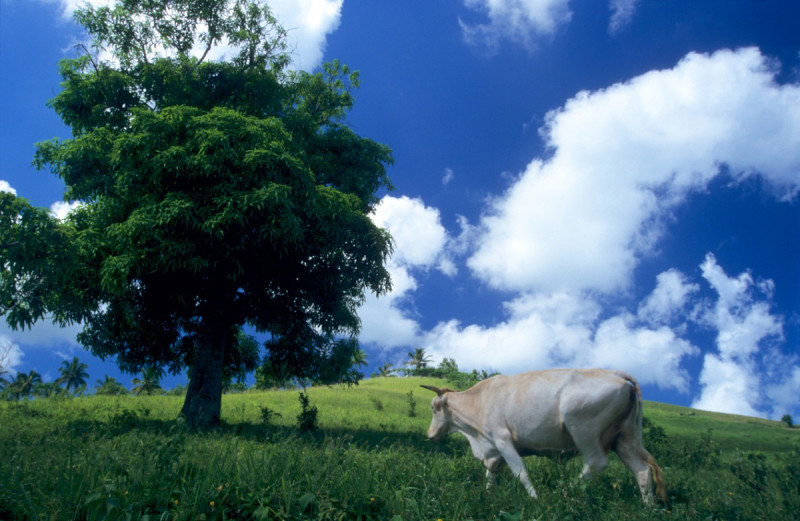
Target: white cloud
(564, 330)
(60, 209)
(308, 22)
(5, 187)
(42, 334)
(10, 354)
(448, 176)
(654, 355)
(521, 21)
(730, 379)
(621, 13)
(669, 299)
(623, 157)
(418, 234)
(419, 245)
(728, 386)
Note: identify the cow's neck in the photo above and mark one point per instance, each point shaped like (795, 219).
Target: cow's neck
(467, 419)
(464, 415)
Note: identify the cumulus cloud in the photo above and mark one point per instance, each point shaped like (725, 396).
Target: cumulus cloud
(565, 330)
(521, 21)
(419, 245)
(623, 157)
(5, 187)
(308, 22)
(669, 299)
(730, 379)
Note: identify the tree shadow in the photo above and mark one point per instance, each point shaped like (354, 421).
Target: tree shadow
(128, 421)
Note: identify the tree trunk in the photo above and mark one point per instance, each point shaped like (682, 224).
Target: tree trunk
(201, 408)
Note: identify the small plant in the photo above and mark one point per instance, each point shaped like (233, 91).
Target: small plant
(267, 415)
(376, 402)
(412, 405)
(787, 419)
(307, 419)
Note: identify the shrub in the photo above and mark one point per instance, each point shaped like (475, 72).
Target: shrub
(412, 404)
(307, 419)
(267, 415)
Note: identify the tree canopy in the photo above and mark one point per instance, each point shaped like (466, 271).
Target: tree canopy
(214, 196)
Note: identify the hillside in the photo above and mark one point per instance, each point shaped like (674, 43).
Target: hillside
(127, 458)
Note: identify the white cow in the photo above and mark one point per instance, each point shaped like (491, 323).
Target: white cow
(562, 410)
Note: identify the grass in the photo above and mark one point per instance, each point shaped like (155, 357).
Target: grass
(127, 458)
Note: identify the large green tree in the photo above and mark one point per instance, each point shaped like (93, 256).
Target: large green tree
(215, 195)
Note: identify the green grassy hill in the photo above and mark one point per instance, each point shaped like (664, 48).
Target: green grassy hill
(127, 458)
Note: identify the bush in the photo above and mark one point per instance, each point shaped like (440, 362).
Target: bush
(412, 404)
(267, 415)
(307, 419)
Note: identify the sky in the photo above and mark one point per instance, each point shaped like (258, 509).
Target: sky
(579, 183)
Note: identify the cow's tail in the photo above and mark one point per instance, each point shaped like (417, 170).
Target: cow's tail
(658, 475)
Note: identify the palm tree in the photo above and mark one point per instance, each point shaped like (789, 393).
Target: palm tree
(109, 386)
(49, 390)
(359, 358)
(418, 359)
(73, 374)
(149, 383)
(384, 370)
(24, 385)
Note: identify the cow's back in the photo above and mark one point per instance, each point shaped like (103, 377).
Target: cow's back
(535, 405)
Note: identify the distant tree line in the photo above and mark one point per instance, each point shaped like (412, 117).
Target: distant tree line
(73, 378)
(419, 364)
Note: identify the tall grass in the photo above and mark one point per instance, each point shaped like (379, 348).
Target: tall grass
(127, 458)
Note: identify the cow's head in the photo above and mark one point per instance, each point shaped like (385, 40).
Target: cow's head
(441, 423)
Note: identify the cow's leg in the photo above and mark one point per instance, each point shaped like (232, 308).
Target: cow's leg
(491, 478)
(587, 441)
(594, 455)
(492, 464)
(514, 461)
(633, 458)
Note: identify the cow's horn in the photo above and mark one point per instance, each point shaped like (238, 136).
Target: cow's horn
(437, 390)
(434, 389)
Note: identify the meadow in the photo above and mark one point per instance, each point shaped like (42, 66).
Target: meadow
(127, 458)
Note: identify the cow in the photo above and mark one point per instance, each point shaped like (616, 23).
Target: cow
(590, 411)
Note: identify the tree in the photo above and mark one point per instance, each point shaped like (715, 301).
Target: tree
(360, 358)
(73, 374)
(109, 386)
(49, 390)
(214, 196)
(418, 359)
(148, 383)
(384, 370)
(24, 385)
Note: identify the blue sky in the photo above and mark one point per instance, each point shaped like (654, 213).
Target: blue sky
(579, 183)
